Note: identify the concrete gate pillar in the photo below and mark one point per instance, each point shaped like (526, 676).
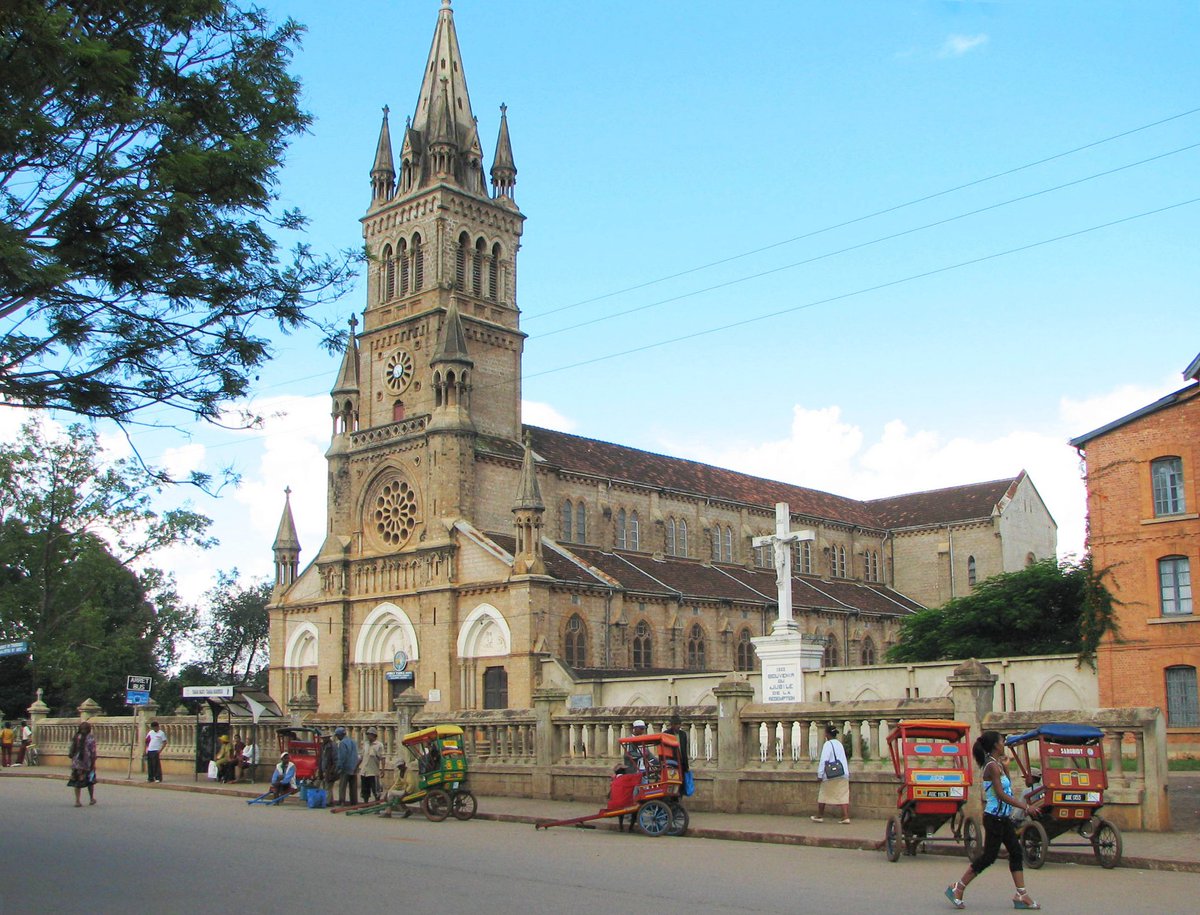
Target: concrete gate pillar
(971, 690)
(547, 700)
(90, 708)
(407, 705)
(38, 712)
(732, 696)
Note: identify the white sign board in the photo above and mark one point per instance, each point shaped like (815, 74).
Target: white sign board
(139, 684)
(208, 692)
(781, 681)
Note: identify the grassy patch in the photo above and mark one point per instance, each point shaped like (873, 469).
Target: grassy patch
(1183, 764)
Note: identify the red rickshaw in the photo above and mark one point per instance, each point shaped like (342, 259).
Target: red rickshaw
(932, 759)
(1071, 785)
(650, 796)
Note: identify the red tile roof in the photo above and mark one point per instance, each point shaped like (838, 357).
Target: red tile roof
(940, 506)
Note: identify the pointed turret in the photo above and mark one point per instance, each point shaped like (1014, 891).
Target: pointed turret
(286, 546)
(345, 391)
(528, 511)
(451, 343)
(383, 172)
(452, 369)
(504, 170)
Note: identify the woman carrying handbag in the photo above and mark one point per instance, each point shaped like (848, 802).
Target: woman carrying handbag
(833, 769)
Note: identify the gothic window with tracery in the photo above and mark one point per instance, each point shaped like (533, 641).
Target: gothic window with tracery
(681, 538)
(621, 537)
(696, 649)
(581, 523)
(634, 532)
(643, 657)
(716, 543)
(971, 571)
(745, 651)
(575, 644)
(568, 521)
(868, 651)
(831, 650)
(670, 545)
(728, 544)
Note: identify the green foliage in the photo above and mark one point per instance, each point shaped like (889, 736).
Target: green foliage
(234, 637)
(1045, 608)
(140, 147)
(75, 534)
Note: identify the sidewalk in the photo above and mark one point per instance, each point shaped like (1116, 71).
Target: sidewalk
(1173, 851)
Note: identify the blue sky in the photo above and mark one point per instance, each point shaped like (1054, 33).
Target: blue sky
(655, 139)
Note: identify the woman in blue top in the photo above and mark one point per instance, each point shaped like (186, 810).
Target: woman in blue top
(997, 822)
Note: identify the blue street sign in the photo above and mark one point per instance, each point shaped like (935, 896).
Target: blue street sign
(137, 697)
(12, 648)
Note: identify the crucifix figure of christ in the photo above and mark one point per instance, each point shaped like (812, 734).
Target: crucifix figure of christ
(781, 542)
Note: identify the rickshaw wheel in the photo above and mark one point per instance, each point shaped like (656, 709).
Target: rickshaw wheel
(971, 839)
(463, 804)
(892, 838)
(1106, 843)
(679, 820)
(654, 818)
(1033, 843)
(436, 805)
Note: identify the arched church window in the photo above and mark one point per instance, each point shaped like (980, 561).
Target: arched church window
(477, 269)
(806, 565)
(643, 657)
(568, 519)
(621, 537)
(575, 644)
(670, 545)
(493, 291)
(696, 649)
(868, 651)
(403, 258)
(831, 650)
(389, 273)
(971, 571)
(581, 523)
(460, 262)
(634, 532)
(745, 651)
(716, 543)
(681, 543)
(728, 544)
(418, 257)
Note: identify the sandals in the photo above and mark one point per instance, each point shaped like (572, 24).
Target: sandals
(1024, 901)
(955, 901)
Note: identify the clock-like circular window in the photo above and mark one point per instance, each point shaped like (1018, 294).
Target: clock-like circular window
(393, 511)
(399, 370)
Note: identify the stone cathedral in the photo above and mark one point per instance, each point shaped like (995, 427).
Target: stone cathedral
(470, 549)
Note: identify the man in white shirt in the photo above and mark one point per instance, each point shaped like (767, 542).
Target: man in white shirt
(156, 739)
(24, 738)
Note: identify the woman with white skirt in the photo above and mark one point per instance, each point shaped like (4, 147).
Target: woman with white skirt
(833, 769)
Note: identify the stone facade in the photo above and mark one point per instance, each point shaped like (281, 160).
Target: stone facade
(472, 547)
(1151, 547)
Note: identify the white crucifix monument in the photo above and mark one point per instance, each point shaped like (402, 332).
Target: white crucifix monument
(784, 653)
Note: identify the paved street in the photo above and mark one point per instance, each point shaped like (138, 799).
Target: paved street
(195, 853)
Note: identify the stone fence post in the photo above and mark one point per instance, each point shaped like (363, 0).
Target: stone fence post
(89, 709)
(732, 696)
(972, 688)
(301, 706)
(38, 712)
(546, 701)
(407, 705)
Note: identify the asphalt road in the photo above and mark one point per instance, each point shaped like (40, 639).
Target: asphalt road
(166, 852)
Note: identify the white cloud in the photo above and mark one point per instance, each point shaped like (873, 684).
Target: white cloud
(823, 451)
(958, 45)
(544, 415)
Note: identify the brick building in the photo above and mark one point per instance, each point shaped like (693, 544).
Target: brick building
(477, 545)
(1144, 527)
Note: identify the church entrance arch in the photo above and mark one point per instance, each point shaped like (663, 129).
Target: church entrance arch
(484, 640)
(385, 631)
(300, 660)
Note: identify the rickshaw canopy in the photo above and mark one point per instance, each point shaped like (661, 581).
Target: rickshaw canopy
(436, 732)
(1069, 734)
(933, 728)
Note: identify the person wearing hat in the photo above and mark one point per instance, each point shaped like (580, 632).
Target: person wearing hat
(634, 760)
(407, 782)
(226, 760)
(372, 766)
(327, 769)
(283, 778)
(347, 762)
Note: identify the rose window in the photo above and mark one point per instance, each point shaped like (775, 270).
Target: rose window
(395, 512)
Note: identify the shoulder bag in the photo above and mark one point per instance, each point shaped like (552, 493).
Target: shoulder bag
(834, 768)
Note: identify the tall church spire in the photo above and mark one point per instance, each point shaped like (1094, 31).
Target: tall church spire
(383, 172)
(504, 170)
(345, 391)
(286, 546)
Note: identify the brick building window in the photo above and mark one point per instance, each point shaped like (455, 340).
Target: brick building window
(696, 648)
(745, 651)
(1183, 710)
(643, 656)
(1166, 475)
(1175, 585)
(575, 644)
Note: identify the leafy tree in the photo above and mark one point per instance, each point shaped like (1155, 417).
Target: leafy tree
(75, 535)
(1045, 608)
(140, 148)
(234, 637)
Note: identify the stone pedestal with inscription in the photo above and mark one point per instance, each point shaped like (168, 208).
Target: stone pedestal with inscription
(785, 656)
